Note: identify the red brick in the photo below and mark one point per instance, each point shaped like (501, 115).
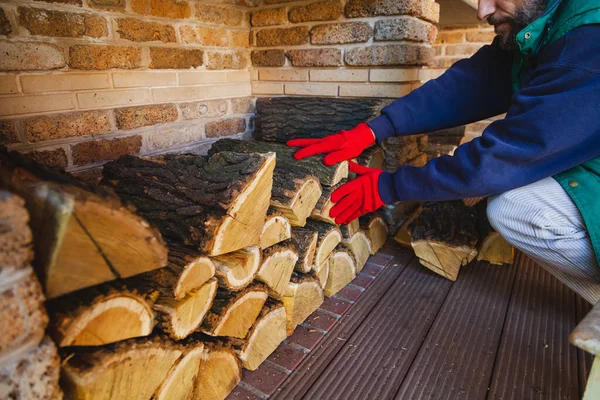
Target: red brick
(104, 150)
(142, 31)
(306, 337)
(391, 54)
(335, 305)
(372, 269)
(51, 158)
(83, 56)
(219, 15)
(349, 32)
(162, 8)
(239, 393)
(316, 57)
(266, 378)
(321, 320)
(287, 356)
(73, 2)
(282, 36)
(363, 280)
(426, 9)
(349, 293)
(167, 58)
(268, 17)
(136, 117)
(61, 24)
(225, 60)
(321, 11)
(268, 58)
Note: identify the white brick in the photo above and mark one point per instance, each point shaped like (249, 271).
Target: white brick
(144, 79)
(238, 76)
(179, 93)
(427, 74)
(372, 90)
(202, 77)
(286, 75)
(64, 82)
(267, 88)
(13, 105)
(311, 89)
(175, 136)
(8, 84)
(337, 75)
(111, 98)
(394, 75)
(254, 75)
(226, 91)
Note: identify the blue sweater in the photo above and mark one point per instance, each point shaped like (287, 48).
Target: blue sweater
(552, 123)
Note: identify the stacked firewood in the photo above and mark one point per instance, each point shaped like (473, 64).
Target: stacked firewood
(182, 269)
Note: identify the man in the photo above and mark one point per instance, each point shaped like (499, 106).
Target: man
(541, 163)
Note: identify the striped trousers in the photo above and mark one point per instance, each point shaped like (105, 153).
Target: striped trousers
(542, 221)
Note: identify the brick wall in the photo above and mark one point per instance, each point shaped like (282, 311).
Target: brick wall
(356, 48)
(85, 81)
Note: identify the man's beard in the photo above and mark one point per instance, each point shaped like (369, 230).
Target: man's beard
(526, 13)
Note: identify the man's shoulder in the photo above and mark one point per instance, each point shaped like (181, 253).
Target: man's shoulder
(578, 48)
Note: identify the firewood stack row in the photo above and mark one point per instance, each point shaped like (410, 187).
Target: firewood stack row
(405, 150)
(188, 268)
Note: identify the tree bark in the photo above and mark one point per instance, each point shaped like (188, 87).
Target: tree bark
(305, 241)
(217, 204)
(83, 235)
(280, 119)
(372, 157)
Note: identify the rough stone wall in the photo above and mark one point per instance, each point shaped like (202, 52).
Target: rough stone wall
(355, 48)
(85, 81)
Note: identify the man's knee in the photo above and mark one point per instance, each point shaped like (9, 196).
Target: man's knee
(499, 212)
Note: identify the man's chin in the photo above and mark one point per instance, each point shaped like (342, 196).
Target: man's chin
(507, 41)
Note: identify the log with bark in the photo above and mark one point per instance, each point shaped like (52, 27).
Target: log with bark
(83, 235)
(237, 269)
(376, 229)
(305, 241)
(303, 296)
(217, 204)
(322, 272)
(265, 335)
(180, 381)
(324, 205)
(444, 237)
(403, 235)
(328, 176)
(329, 237)
(278, 263)
(277, 228)
(395, 215)
(400, 150)
(280, 119)
(342, 269)
(233, 313)
(350, 229)
(360, 244)
(372, 157)
(187, 270)
(220, 372)
(132, 369)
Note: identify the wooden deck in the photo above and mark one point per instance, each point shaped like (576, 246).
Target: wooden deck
(497, 333)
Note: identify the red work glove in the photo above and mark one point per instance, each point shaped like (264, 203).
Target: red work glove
(357, 197)
(341, 146)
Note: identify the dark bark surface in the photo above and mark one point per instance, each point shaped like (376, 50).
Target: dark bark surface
(450, 222)
(302, 239)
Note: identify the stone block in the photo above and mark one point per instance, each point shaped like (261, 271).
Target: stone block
(316, 57)
(61, 24)
(225, 60)
(14, 105)
(219, 15)
(175, 9)
(30, 56)
(239, 39)
(144, 79)
(179, 93)
(405, 28)
(311, 89)
(268, 58)
(89, 56)
(64, 82)
(269, 17)
(8, 84)
(213, 36)
(286, 75)
(349, 32)
(52, 158)
(105, 150)
(328, 10)
(52, 127)
(175, 136)
(243, 105)
(169, 58)
(267, 88)
(204, 109)
(336, 75)
(136, 117)
(225, 127)
(143, 31)
(108, 5)
(397, 54)
(425, 9)
(8, 132)
(113, 98)
(282, 36)
(5, 27)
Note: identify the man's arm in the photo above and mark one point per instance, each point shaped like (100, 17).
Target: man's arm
(553, 124)
(471, 90)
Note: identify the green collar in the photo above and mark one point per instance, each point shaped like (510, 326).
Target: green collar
(531, 38)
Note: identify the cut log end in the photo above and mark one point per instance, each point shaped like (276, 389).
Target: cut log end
(277, 228)
(496, 250)
(194, 275)
(219, 374)
(180, 381)
(305, 242)
(236, 270)
(342, 270)
(303, 296)
(277, 267)
(376, 230)
(443, 259)
(298, 208)
(360, 244)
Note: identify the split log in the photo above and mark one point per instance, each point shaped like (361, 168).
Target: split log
(322, 272)
(264, 337)
(233, 313)
(187, 271)
(289, 167)
(496, 250)
(16, 250)
(324, 205)
(395, 215)
(220, 372)
(83, 235)
(33, 374)
(444, 237)
(295, 193)
(277, 228)
(350, 229)
(372, 157)
(303, 296)
(329, 237)
(180, 381)
(305, 241)
(132, 369)
(237, 270)
(376, 229)
(217, 204)
(277, 267)
(360, 244)
(403, 235)
(342, 269)
(279, 119)
(399, 150)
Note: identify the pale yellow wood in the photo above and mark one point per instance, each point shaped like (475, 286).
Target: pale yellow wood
(403, 236)
(267, 334)
(301, 205)
(276, 269)
(360, 244)
(194, 275)
(326, 245)
(277, 229)
(238, 316)
(322, 272)
(302, 298)
(440, 256)
(342, 271)
(218, 375)
(237, 269)
(496, 250)
(377, 233)
(592, 388)
(180, 380)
